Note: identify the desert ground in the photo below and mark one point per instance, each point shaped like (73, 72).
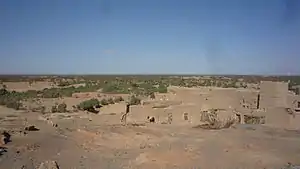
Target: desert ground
(83, 140)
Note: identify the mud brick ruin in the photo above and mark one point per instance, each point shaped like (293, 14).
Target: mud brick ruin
(205, 123)
(273, 104)
(273, 94)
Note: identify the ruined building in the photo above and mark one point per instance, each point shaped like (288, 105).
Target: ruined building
(276, 101)
(272, 94)
(271, 104)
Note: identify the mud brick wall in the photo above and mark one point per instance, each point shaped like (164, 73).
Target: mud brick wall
(278, 117)
(294, 121)
(273, 94)
(249, 98)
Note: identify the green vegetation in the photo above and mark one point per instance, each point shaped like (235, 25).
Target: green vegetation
(123, 86)
(130, 85)
(14, 104)
(10, 99)
(63, 83)
(68, 91)
(59, 108)
(152, 96)
(104, 102)
(62, 108)
(118, 99)
(134, 100)
(134, 86)
(54, 109)
(87, 104)
(162, 88)
(114, 88)
(111, 84)
(39, 108)
(110, 101)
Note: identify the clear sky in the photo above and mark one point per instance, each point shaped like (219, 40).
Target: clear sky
(150, 36)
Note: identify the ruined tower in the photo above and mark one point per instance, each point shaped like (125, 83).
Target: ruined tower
(273, 94)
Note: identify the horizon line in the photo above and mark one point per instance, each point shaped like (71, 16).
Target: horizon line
(143, 74)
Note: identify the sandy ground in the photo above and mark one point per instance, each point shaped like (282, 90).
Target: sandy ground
(100, 141)
(24, 86)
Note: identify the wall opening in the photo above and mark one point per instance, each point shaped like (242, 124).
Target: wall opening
(257, 102)
(297, 91)
(185, 116)
(239, 117)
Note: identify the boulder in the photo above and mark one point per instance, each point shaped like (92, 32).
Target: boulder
(49, 165)
(31, 128)
(5, 138)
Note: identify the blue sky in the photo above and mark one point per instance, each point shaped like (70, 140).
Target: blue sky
(150, 36)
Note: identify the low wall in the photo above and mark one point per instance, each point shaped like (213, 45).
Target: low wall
(295, 121)
(278, 117)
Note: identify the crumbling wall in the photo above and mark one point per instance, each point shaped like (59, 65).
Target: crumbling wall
(161, 115)
(248, 99)
(293, 100)
(273, 94)
(278, 117)
(295, 121)
(224, 99)
(195, 117)
(137, 114)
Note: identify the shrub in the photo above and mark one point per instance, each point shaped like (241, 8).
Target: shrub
(14, 104)
(31, 93)
(67, 91)
(54, 109)
(110, 88)
(162, 88)
(51, 93)
(63, 83)
(110, 101)
(104, 102)
(87, 104)
(62, 108)
(41, 109)
(116, 88)
(152, 95)
(3, 92)
(134, 100)
(118, 99)
(11, 99)
(74, 108)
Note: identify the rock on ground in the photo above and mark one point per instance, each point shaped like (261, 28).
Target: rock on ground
(49, 165)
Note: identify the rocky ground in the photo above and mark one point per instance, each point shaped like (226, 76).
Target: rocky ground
(78, 140)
